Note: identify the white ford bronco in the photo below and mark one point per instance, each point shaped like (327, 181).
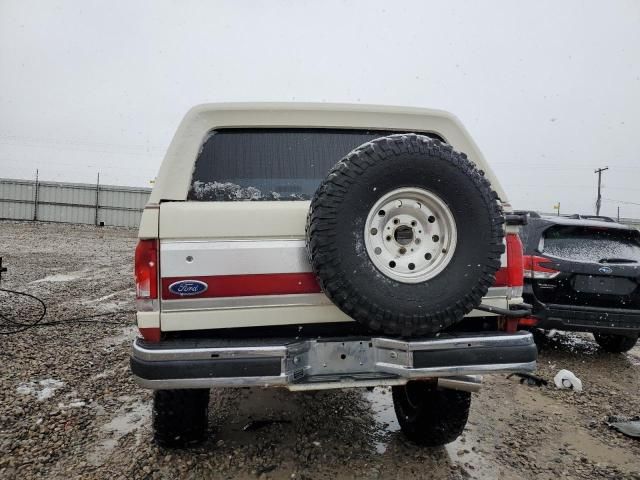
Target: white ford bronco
(322, 246)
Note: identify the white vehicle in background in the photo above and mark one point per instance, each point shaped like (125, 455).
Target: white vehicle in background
(326, 246)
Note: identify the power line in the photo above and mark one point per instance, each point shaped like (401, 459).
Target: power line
(620, 201)
(554, 166)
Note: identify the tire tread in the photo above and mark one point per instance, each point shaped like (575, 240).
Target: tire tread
(322, 221)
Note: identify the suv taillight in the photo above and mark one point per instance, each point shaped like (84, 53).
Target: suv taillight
(515, 265)
(512, 275)
(534, 268)
(146, 271)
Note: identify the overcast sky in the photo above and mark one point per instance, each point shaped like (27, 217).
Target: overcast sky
(549, 90)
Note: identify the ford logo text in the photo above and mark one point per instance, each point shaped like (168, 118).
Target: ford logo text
(605, 270)
(188, 287)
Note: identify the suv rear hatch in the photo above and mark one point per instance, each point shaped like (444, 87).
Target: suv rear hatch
(580, 265)
(234, 255)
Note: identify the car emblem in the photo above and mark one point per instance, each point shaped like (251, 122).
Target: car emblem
(605, 270)
(188, 287)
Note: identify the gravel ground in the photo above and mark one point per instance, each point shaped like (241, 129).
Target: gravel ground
(69, 408)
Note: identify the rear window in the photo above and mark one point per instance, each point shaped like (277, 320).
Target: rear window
(590, 244)
(269, 163)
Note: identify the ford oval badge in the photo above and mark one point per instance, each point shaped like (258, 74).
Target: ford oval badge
(605, 270)
(188, 287)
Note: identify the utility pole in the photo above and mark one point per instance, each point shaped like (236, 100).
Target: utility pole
(599, 199)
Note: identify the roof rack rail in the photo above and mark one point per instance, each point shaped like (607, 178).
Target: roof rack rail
(578, 216)
(598, 217)
(531, 213)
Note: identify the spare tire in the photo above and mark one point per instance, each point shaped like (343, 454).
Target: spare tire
(405, 235)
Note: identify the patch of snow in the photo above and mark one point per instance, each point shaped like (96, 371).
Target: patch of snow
(43, 389)
(128, 334)
(106, 297)
(103, 374)
(61, 277)
(75, 403)
(25, 389)
(107, 307)
(227, 191)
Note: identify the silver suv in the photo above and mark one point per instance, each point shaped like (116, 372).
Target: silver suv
(326, 246)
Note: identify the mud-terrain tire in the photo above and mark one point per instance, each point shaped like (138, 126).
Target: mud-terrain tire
(429, 187)
(180, 417)
(615, 343)
(428, 415)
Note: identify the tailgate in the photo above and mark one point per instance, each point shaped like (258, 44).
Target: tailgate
(214, 243)
(215, 272)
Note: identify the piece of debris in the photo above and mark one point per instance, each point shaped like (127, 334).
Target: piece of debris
(566, 379)
(628, 426)
(258, 424)
(529, 378)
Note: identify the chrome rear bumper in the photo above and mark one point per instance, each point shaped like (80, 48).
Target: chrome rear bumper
(315, 364)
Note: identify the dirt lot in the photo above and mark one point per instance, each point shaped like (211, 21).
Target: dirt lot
(69, 408)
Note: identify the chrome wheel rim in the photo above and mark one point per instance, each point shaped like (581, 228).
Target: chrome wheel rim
(410, 235)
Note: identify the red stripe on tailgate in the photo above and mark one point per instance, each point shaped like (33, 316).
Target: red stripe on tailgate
(248, 285)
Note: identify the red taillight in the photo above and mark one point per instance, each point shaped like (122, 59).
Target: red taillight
(515, 265)
(527, 322)
(146, 270)
(534, 268)
(512, 275)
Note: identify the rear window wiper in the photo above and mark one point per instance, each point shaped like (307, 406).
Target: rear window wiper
(617, 260)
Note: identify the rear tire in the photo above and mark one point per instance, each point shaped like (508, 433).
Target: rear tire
(616, 343)
(431, 416)
(180, 417)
